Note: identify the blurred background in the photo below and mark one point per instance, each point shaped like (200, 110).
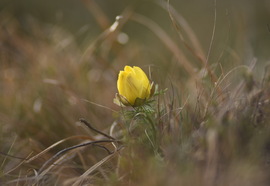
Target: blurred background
(59, 60)
(85, 20)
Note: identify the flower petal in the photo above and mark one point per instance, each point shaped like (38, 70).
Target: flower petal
(133, 83)
(144, 82)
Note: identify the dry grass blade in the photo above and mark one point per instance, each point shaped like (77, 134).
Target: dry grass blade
(99, 105)
(217, 85)
(38, 177)
(58, 162)
(97, 131)
(195, 47)
(163, 36)
(212, 158)
(213, 33)
(2, 164)
(117, 25)
(93, 168)
(97, 12)
(58, 143)
(178, 19)
(17, 166)
(72, 148)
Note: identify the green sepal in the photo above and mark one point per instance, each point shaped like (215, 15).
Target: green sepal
(121, 100)
(138, 102)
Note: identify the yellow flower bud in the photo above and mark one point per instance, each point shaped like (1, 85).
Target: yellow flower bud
(133, 86)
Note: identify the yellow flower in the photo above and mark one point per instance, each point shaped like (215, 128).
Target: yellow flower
(133, 86)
